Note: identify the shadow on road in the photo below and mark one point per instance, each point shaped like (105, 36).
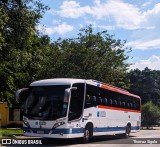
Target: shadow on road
(109, 139)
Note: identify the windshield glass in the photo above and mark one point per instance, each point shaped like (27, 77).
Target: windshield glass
(46, 102)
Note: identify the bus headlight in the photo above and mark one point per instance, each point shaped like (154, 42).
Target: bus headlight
(58, 124)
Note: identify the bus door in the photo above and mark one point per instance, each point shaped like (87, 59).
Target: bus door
(76, 104)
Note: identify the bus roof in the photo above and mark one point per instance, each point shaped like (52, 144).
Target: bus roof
(69, 81)
(57, 81)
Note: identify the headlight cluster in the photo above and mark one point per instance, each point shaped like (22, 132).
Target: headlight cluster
(58, 124)
(26, 122)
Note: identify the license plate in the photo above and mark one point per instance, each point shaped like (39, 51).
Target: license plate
(40, 132)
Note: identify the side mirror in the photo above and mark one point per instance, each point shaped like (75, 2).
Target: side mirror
(67, 93)
(21, 94)
(74, 88)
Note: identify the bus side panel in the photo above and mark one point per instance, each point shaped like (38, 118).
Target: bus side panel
(106, 121)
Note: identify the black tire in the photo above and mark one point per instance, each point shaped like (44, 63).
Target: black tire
(128, 130)
(87, 134)
(126, 134)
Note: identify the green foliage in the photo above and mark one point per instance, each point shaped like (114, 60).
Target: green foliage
(18, 20)
(6, 133)
(26, 56)
(150, 114)
(146, 84)
(3, 20)
(90, 56)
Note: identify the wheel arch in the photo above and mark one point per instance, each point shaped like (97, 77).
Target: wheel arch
(129, 124)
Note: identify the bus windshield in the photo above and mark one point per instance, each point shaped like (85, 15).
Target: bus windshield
(46, 102)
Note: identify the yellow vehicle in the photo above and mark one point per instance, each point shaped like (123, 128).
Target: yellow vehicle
(9, 116)
(4, 114)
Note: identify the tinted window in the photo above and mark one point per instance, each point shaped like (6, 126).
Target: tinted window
(76, 102)
(46, 102)
(92, 99)
(110, 98)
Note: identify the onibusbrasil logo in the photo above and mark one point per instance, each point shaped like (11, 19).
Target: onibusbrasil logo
(20, 141)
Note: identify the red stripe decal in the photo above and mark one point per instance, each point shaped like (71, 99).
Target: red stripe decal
(120, 109)
(119, 91)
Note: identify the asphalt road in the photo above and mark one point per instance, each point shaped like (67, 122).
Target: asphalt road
(143, 138)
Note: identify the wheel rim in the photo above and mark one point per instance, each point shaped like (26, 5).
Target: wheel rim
(86, 135)
(128, 130)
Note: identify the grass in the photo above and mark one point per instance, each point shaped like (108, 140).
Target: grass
(8, 132)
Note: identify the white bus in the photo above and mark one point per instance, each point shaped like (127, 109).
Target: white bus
(72, 108)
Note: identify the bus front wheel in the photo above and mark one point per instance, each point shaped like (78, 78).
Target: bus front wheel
(88, 133)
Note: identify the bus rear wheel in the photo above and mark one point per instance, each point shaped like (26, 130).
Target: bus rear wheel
(128, 130)
(87, 134)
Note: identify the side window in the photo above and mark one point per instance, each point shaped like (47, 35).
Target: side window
(110, 102)
(114, 103)
(93, 101)
(119, 104)
(134, 103)
(105, 101)
(90, 101)
(99, 100)
(91, 98)
(76, 102)
(123, 105)
(137, 104)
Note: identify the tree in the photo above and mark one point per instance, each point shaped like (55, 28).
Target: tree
(150, 114)
(18, 37)
(90, 56)
(26, 55)
(146, 84)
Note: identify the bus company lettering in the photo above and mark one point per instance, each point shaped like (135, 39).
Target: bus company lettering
(42, 123)
(101, 114)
